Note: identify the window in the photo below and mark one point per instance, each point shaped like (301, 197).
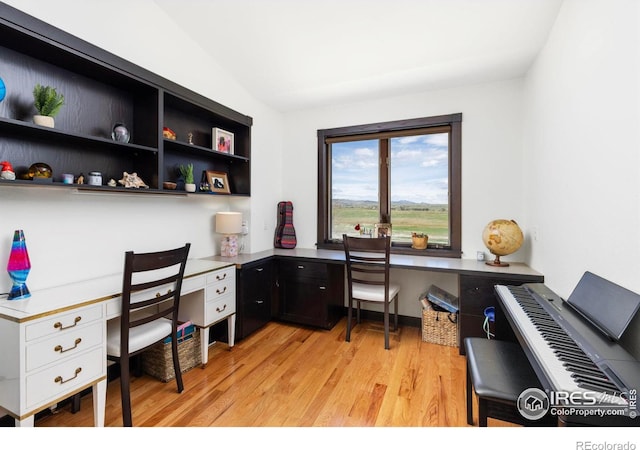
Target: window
(404, 173)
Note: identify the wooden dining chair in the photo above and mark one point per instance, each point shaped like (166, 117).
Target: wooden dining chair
(368, 278)
(150, 301)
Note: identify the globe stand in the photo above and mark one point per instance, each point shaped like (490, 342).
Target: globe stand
(497, 262)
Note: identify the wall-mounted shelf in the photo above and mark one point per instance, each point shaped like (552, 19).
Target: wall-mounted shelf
(101, 90)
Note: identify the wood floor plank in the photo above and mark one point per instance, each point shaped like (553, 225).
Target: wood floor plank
(289, 376)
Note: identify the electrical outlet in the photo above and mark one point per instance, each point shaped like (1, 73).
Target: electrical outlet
(245, 228)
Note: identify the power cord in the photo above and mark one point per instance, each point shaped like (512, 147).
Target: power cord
(489, 316)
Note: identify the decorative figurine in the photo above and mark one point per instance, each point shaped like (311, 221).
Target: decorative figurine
(80, 179)
(168, 133)
(132, 181)
(7, 173)
(111, 183)
(190, 138)
(120, 133)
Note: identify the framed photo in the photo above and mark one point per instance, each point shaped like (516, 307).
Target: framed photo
(222, 140)
(218, 182)
(382, 230)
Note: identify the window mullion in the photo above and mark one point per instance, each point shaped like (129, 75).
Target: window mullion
(385, 169)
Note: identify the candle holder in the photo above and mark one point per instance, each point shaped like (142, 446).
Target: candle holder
(19, 267)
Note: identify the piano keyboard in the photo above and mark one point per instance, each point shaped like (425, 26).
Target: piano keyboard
(563, 361)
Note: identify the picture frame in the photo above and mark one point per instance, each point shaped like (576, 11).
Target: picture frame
(218, 182)
(222, 141)
(382, 230)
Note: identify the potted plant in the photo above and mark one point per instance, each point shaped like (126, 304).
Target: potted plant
(48, 103)
(187, 174)
(419, 241)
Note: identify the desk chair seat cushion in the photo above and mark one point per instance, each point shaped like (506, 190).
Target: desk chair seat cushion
(372, 293)
(499, 369)
(140, 337)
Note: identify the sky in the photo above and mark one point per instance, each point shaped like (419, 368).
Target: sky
(419, 169)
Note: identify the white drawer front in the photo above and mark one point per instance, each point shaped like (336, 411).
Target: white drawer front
(222, 276)
(64, 345)
(64, 321)
(219, 309)
(192, 284)
(220, 290)
(59, 380)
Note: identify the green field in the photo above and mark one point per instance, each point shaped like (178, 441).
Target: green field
(433, 220)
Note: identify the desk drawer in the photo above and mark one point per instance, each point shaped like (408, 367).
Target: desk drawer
(223, 288)
(58, 381)
(219, 309)
(222, 276)
(192, 284)
(303, 269)
(64, 345)
(60, 323)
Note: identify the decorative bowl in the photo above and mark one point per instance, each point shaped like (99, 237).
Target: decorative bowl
(169, 185)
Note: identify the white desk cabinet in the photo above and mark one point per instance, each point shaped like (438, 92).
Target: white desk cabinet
(53, 344)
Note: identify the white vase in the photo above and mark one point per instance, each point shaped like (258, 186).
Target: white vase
(190, 187)
(43, 121)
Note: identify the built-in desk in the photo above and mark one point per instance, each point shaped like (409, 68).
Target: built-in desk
(53, 343)
(475, 279)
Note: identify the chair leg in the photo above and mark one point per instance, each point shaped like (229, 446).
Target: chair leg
(482, 412)
(358, 313)
(469, 399)
(395, 319)
(176, 363)
(386, 325)
(349, 318)
(125, 392)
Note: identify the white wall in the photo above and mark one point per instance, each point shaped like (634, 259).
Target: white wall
(582, 146)
(78, 236)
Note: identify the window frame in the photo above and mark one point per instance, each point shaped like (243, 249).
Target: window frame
(377, 130)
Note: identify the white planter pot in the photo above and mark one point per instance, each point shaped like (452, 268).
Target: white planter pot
(190, 187)
(43, 121)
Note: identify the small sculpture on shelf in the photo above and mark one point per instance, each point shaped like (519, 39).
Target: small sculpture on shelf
(132, 180)
(7, 173)
(120, 133)
(190, 138)
(168, 133)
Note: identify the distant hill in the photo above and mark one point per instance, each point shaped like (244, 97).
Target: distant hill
(404, 205)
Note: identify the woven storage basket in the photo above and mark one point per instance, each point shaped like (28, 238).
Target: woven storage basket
(157, 361)
(439, 327)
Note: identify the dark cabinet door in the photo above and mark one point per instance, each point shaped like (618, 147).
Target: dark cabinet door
(310, 293)
(255, 285)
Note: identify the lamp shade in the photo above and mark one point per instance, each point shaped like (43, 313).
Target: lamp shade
(228, 222)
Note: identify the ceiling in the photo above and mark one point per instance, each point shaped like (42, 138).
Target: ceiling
(297, 54)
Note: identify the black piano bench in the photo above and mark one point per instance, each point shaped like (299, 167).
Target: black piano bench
(498, 371)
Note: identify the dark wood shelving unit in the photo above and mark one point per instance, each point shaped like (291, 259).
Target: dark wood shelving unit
(102, 89)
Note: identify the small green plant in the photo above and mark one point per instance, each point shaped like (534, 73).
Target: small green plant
(47, 101)
(187, 173)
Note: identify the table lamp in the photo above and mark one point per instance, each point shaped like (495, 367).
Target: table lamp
(229, 224)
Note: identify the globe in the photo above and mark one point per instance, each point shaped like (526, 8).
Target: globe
(502, 237)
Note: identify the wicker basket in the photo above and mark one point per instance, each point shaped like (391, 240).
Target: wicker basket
(158, 361)
(439, 327)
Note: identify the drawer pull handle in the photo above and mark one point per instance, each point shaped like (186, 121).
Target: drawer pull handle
(259, 302)
(322, 288)
(223, 308)
(158, 294)
(59, 379)
(220, 278)
(75, 322)
(58, 348)
(300, 266)
(219, 292)
(259, 269)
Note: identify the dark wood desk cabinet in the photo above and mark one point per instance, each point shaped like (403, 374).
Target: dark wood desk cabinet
(476, 294)
(310, 292)
(254, 293)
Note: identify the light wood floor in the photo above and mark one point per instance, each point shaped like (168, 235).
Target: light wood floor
(284, 375)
